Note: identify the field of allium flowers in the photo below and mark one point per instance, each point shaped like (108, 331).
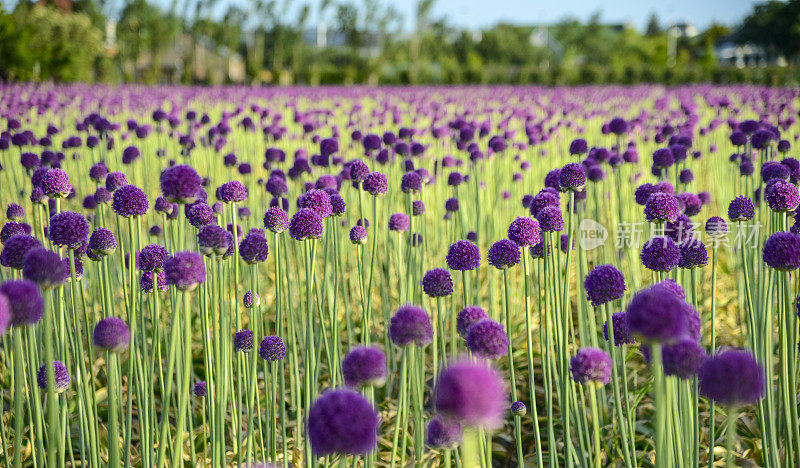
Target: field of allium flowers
(399, 276)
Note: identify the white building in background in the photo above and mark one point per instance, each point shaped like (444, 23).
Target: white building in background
(744, 55)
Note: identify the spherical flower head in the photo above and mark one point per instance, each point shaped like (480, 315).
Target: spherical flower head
(60, 374)
(443, 433)
(618, 126)
(732, 378)
(358, 235)
(253, 248)
(129, 201)
(200, 214)
(738, 138)
(622, 333)
(98, 172)
(115, 180)
(463, 255)
(693, 254)
(26, 305)
(44, 267)
(212, 240)
(417, 208)
(112, 334)
(130, 154)
(14, 250)
(102, 242)
(358, 170)
(782, 251)
(276, 220)
(305, 224)
(68, 229)
(572, 177)
(152, 257)
(467, 317)
(454, 179)
(657, 314)
(663, 157)
(317, 200)
(578, 147)
(271, 348)
(673, 286)
(185, 270)
(760, 139)
(716, 227)
(437, 283)
(376, 184)
(472, 394)
(683, 358)
(251, 299)
(782, 196)
(605, 283)
(180, 184)
(591, 365)
(410, 324)
(56, 183)
(525, 231)
(363, 366)
(661, 207)
(643, 192)
(15, 212)
(503, 254)
(243, 340)
(344, 422)
(200, 389)
(660, 254)
(689, 203)
(550, 219)
(552, 179)
(686, 176)
(543, 200)
(338, 205)
(451, 205)
(741, 209)
(487, 339)
(146, 281)
(328, 146)
(12, 229)
(411, 182)
(232, 192)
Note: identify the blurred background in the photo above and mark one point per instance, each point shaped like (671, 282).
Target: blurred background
(311, 42)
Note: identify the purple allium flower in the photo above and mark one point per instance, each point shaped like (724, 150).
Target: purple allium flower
(98, 172)
(782, 196)
(68, 229)
(518, 409)
(56, 184)
(716, 227)
(200, 389)
(411, 182)
(525, 231)
(660, 253)
(253, 248)
(437, 283)
(761, 139)
(26, 305)
(376, 184)
(454, 179)
(15, 212)
(305, 224)
(772, 170)
(180, 184)
(503, 254)
(129, 200)
(705, 198)
(578, 147)
(622, 333)
(591, 365)
(44, 267)
(14, 250)
(66, 269)
(463, 255)
(358, 235)
(152, 257)
(487, 339)
(317, 200)
(398, 222)
(732, 378)
(605, 283)
(663, 157)
(674, 287)
(451, 205)
(738, 138)
(358, 170)
(552, 178)
(693, 254)
(232, 192)
(185, 270)
(113, 334)
(162, 205)
(364, 366)
(115, 180)
(643, 192)
(661, 207)
(686, 176)
(618, 126)
(212, 240)
(243, 340)
(741, 209)
(683, 358)
(417, 208)
(410, 325)
(782, 251)
(60, 374)
(276, 220)
(11, 229)
(271, 348)
(784, 146)
(572, 177)
(200, 214)
(338, 205)
(328, 146)
(542, 200)
(657, 314)
(130, 154)
(472, 394)
(690, 203)
(443, 433)
(550, 219)
(344, 422)
(146, 281)
(276, 186)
